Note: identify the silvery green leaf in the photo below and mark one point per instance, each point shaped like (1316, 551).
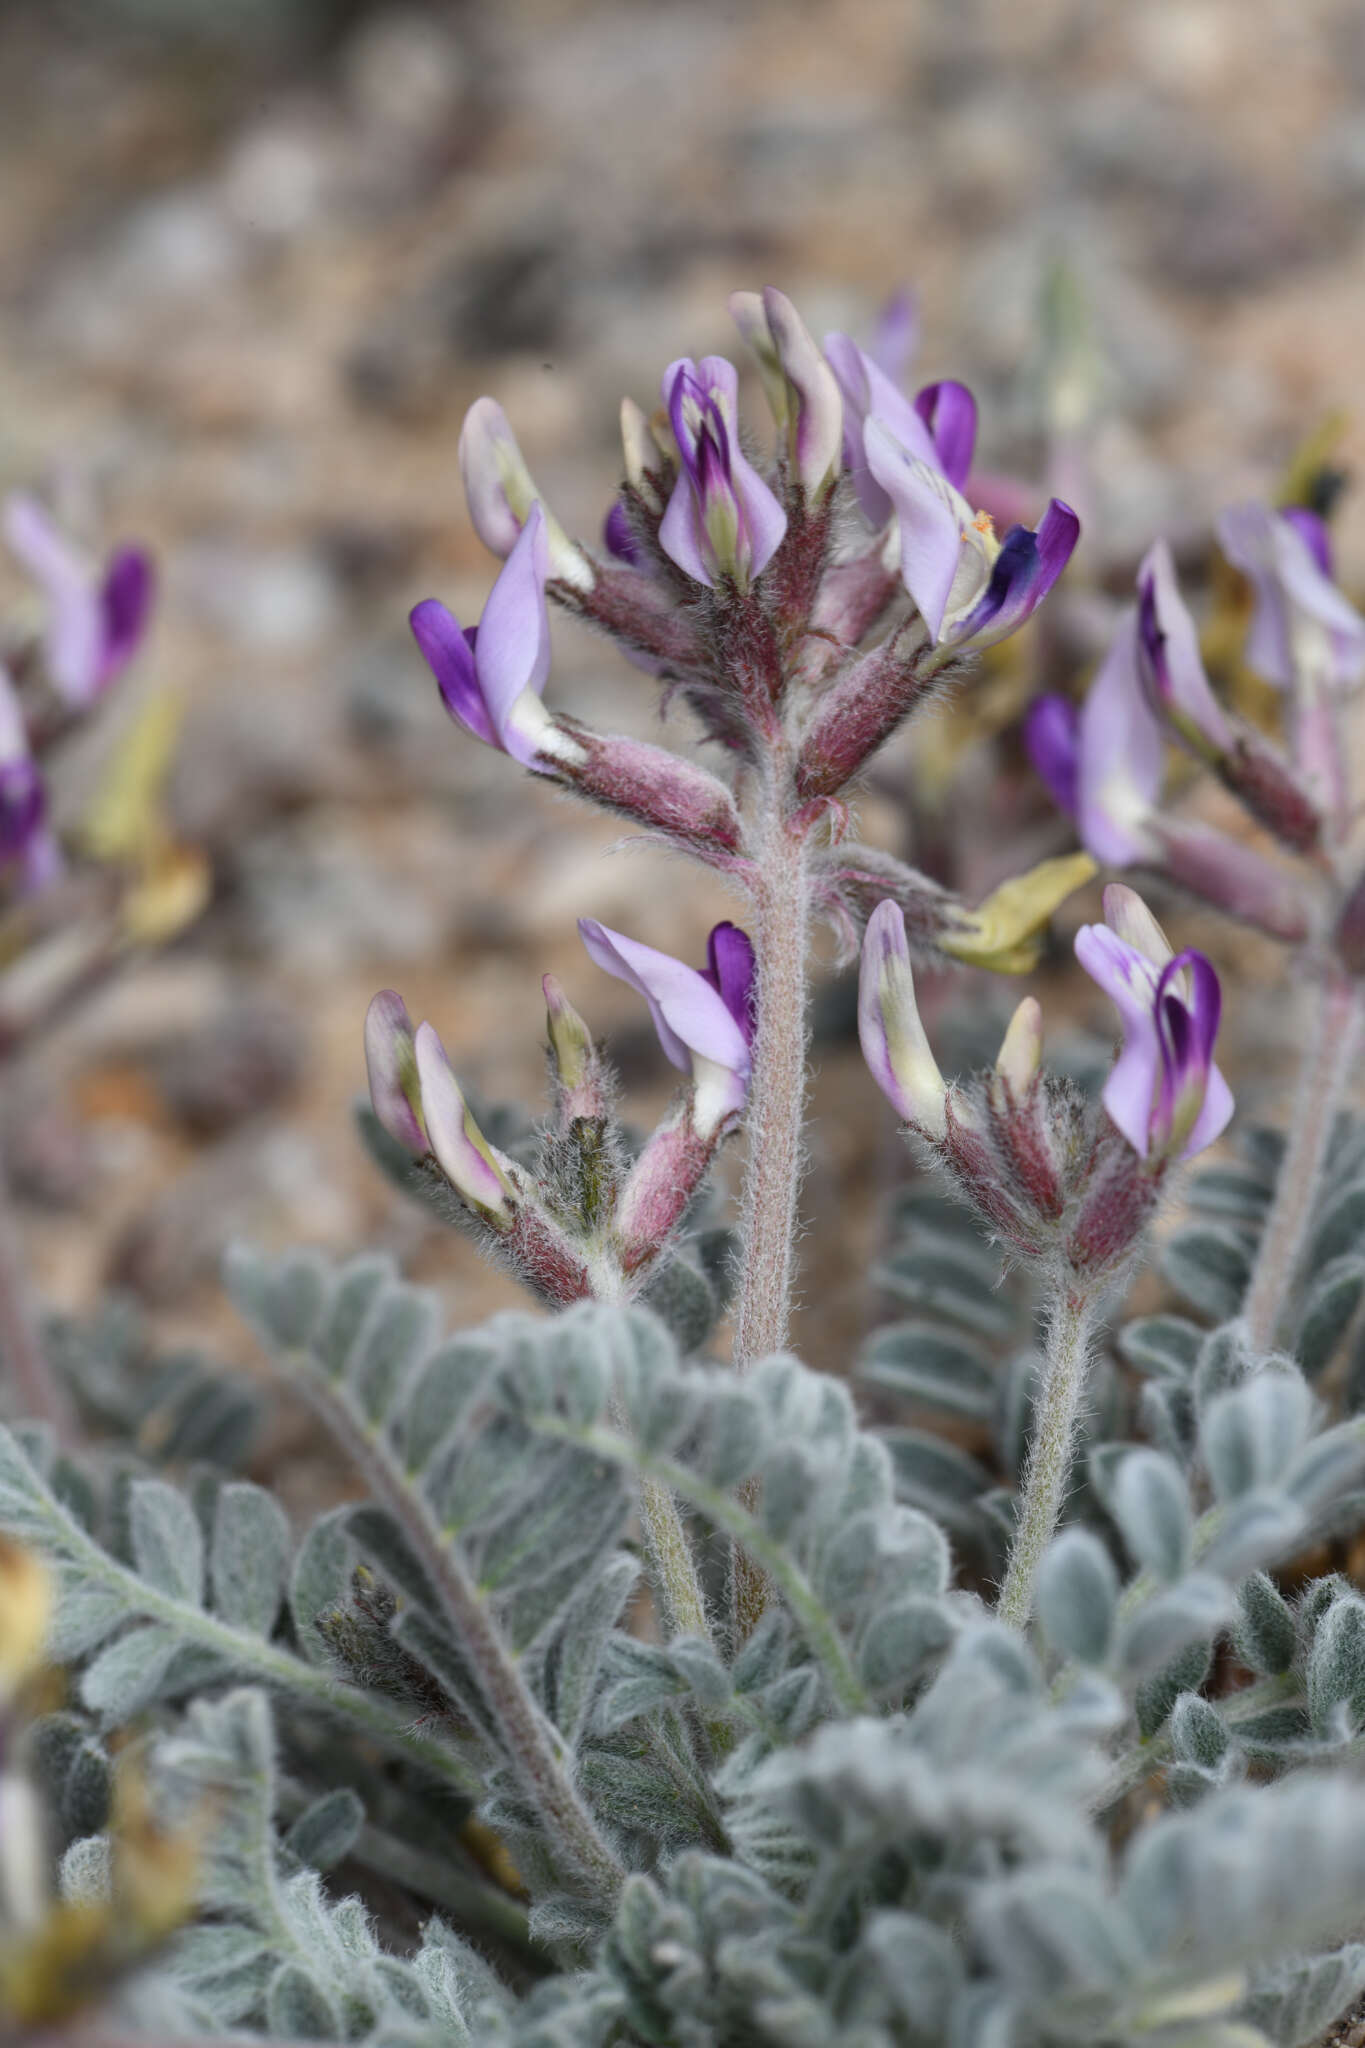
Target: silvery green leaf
(924, 1365)
(935, 1476)
(1295, 2003)
(580, 1638)
(1226, 1360)
(167, 1543)
(353, 1294)
(1341, 1230)
(1190, 1612)
(442, 1393)
(127, 1675)
(1199, 1734)
(1256, 1530)
(696, 1662)
(1164, 1346)
(248, 1556)
(1209, 1265)
(1167, 1410)
(85, 1875)
(1077, 1596)
(901, 1641)
(395, 1339)
(684, 1300)
(1326, 1467)
(956, 1282)
(1156, 1695)
(1224, 1191)
(1265, 1636)
(918, 1964)
(732, 1446)
(296, 2008)
(326, 1830)
(84, 1615)
(1336, 1669)
(1249, 1436)
(378, 1534)
(637, 1679)
(227, 1965)
(1151, 1504)
(1332, 1301)
(320, 1580)
(1054, 1933)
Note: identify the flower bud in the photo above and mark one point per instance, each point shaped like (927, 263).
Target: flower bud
(722, 523)
(893, 1039)
(474, 1169)
(1020, 1057)
(501, 491)
(391, 1063)
(801, 387)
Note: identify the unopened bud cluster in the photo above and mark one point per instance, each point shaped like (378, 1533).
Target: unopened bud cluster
(1054, 1182)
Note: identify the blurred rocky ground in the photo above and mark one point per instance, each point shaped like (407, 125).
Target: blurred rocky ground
(256, 260)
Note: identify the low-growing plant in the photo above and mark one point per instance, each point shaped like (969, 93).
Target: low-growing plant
(650, 1698)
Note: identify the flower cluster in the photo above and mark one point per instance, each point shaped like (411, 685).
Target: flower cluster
(1049, 1180)
(802, 611)
(1105, 763)
(588, 1221)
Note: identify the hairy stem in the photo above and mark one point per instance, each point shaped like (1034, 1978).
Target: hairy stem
(532, 1745)
(777, 1091)
(1326, 1069)
(1049, 1462)
(777, 1096)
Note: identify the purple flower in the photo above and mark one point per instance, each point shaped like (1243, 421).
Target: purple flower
(893, 1039)
(501, 491)
(801, 387)
(492, 675)
(1165, 1094)
(938, 428)
(1052, 740)
(971, 589)
(1120, 757)
(1169, 662)
(1304, 633)
(721, 523)
(618, 538)
(703, 1017)
(96, 620)
(25, 835)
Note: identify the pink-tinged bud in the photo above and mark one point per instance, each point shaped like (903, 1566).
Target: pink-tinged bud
(800, 385)
(1120, 1195)
(479, 1175)
(391, 1063)
(501, 491)
(893, 1039)
(651, 786)
(855, 715)
(659, 1187)
(1165, 1094)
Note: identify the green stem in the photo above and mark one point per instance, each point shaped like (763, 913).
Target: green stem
(533, 1747)
(1326, 1070)
(255, 1658)
(1054, 1434)
(733, 1519)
